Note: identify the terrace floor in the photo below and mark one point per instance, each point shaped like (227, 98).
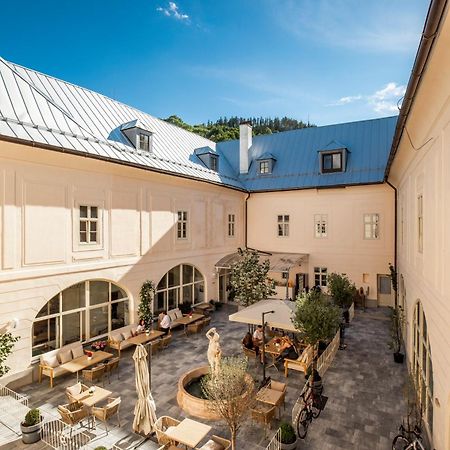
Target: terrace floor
(364, 387)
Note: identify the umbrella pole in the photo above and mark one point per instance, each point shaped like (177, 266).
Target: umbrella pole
(149, 359)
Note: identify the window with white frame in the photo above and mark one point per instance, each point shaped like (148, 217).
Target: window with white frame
(82, 312)
(422, 365)
(231, 225)
(320, 225)
(371, 226)
(320, 276)
(420, 223)
(264, 167)
(144, 142)
(89, 232)
(182, 224)
(283, 225)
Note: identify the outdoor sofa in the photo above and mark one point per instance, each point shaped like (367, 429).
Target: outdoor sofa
(119, 339)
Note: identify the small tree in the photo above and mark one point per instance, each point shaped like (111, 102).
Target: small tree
(145, 308)
(341, 289)
(249, 278)
(231, 393)
(397, 325)
(7, 341)
(316, 318)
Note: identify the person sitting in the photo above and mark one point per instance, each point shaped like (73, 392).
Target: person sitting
(141, 327)
(247, 342)
(164, 323)
(258, 336)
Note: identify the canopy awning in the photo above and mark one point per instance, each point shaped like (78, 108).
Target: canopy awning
(279, 262)
(281, 318)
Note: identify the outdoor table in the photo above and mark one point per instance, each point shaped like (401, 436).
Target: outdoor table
(275, 350)
(269, 396)
(97, 396)
(143, 338)
(188, 432)
(83, 362)
(186, 320)
(203, 308)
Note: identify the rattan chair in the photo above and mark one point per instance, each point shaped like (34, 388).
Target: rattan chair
(106, 412)
(195, 327)
(264, 414)
(155, 345)
(95, 374)
(280, 387)
(251, 354)
(71, 391)
(73, 413)
(111, 366)
(165, 341)
(160, 428)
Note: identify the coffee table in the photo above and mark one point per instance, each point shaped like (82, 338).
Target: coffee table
(90, 400)
(83, 362)
(144, 337)
(188, 432)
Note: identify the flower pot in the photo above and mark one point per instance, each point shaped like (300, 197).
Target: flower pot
(292, 446)
(399, 357)
(32, 434)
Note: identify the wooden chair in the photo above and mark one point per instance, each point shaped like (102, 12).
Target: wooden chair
(225, 443)
(155, 345)
(160, 428)
(165, 341)
(111, 366)
(195, 327)
(264, 414)
(77, 388)
(280, 387)
(95, 374)
(206, 321)
(301, 363)
(106, 412)
(250, 354)
(73, 413)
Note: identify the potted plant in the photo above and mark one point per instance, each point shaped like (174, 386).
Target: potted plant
(100, 447)
(343, 291)
(31, 426)
(98, 345)
(397, 323)
(288, 438)
(145, 308)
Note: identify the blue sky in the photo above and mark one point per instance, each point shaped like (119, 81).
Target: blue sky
(327, 60)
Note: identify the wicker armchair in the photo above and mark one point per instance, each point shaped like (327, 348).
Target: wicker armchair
(195, 327)
(95, 374)
(111, 366)
(73, 413)
(155, 345)
(106, 412)
(161, 426)
(165, 341)
(225, 443)
(71, 391)
(280, 387)
(264, 414)
(250, 354)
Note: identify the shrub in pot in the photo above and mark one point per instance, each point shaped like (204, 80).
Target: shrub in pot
(100, 447)
(288, 438)
(397, 323)
(31, 427)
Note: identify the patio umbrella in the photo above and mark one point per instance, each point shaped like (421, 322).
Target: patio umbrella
(145, 409)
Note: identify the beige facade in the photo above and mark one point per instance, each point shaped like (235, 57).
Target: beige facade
(40, 195)
(341, 244)
(421, 174)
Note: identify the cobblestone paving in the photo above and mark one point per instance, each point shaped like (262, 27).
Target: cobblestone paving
(363, 384)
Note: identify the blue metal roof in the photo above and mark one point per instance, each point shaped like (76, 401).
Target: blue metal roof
(296, 152)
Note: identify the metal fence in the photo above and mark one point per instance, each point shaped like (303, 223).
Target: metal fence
(274, 443)
(13, 408)
(61, 436)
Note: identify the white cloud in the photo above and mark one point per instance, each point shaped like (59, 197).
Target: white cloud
(384, 101)
(172, 10)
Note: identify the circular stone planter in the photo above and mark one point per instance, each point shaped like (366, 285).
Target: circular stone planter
(196, 406)
(292, 446)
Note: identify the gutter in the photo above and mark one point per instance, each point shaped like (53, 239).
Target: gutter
(429, 33)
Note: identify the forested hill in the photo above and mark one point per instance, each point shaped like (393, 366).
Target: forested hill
(225, 128)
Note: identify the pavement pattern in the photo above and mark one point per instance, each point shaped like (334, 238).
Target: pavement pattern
(363, 385)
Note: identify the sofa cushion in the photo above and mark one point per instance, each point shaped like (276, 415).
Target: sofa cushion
(178, 314)
(126, 334)
(75, 389)
(117, 337)
(172, 314)
(65, 356)
(211, 445)
(77, 351)
(51, 361)
(133, 330)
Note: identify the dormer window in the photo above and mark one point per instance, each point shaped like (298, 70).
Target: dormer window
(265, 163)
(333, 157)
(332, 162)
(264, 167)
(208, 157)
(144, 142)
(214, 162)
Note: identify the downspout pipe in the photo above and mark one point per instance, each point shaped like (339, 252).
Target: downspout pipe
(395, 233)
(246, 220)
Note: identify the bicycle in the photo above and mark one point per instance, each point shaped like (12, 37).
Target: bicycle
(314, 402)
(403, 440)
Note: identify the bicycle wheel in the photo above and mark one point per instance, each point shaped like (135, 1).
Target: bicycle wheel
(316, 407)
(400, 443)
(303, 423)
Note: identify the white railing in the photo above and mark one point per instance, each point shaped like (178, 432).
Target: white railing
(13, 408)
(60, 436)
(326, 358)
(4, 391)
(351, 312)
(274, 443)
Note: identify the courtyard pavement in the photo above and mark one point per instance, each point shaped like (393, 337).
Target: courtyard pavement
(363, 385)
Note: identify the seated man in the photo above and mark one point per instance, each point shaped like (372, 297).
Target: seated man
(258, 336)
(247, 342)
(164, 322)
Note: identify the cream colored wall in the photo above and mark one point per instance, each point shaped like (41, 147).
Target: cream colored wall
(40, 192)
(344, 250)
(426, 171)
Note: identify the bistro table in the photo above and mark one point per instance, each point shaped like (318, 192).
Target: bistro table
(202, 307)
(186, 320)
(270, 396)
(275, 348)
(83, 362)
(143, 338)
(97, 396)
(188, 432)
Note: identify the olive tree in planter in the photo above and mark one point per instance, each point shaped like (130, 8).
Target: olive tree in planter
(249, 279)
(31, 426)
(145, 308)
(342, 290)
(7, 341)
(317, 319)
(288, 438)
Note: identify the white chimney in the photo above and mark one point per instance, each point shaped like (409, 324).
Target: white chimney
(245, 142)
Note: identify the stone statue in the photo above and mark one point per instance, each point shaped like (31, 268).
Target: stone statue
(214, 351)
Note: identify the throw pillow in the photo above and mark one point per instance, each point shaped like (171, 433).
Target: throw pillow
(77, 351)
(211, 445)
(65, 356)
(126, 334)
(51, 361)
(75, 389)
